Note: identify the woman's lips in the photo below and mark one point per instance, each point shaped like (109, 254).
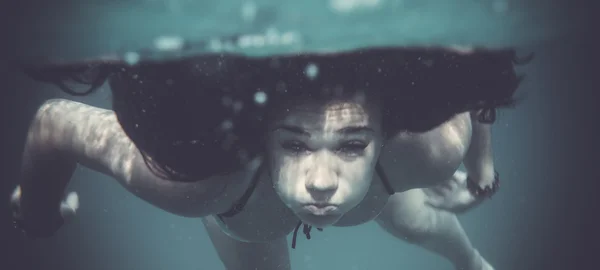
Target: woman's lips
(320, 209)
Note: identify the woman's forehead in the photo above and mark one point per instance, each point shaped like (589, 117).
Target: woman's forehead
(331, 116)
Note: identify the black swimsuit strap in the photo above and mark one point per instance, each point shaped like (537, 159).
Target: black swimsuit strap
(241, 203)
(384, 179)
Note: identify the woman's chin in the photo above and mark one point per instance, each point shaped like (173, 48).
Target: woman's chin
(319, 221)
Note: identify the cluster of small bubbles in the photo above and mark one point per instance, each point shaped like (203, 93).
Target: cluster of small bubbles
(311, 71)
(166, 43)
(346, 6)
(219, 45)
(260, 97)
(131, 58)
(249, 41)
(246, 41)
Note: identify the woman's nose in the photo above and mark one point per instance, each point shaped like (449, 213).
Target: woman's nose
(322, 180)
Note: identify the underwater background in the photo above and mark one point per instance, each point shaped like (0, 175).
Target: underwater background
(538, 220)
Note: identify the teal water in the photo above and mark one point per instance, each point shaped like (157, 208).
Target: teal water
(115, 230)
(94, 27)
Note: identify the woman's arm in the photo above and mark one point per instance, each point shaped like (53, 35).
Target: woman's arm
(479, 159)
(64, 133)
(457, 194)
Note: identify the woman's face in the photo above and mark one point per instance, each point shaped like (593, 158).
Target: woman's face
(322, 156)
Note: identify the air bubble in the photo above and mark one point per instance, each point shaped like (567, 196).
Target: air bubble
(168, 43)
(260, 97)
(311, 71)
(215, 45)
(131, 58)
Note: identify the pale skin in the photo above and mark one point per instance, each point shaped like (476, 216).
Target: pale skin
(317, 153)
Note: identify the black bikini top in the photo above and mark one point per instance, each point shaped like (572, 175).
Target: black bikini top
(241, 203)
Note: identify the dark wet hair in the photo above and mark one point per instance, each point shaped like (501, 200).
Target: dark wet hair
(194, 117)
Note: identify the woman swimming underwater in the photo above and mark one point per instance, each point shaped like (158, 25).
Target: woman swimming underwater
(261, 147)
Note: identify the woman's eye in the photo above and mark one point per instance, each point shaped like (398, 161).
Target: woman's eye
(353, 147)
(295, 146)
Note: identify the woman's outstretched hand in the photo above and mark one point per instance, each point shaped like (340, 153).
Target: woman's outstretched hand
(453, 195)
(46, 226)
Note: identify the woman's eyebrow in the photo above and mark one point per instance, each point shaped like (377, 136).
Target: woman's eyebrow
(293, 129)
(349, 130)
(354, 129)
